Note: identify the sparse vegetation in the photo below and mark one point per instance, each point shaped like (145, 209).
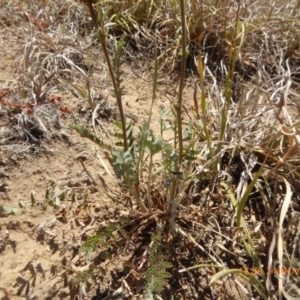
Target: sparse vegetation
(206, 186)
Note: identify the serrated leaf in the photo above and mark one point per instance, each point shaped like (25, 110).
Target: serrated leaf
(153, 146)
(87, 134)
(191, 155)
(124, 167)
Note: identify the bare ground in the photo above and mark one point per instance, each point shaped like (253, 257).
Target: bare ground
(39, 245)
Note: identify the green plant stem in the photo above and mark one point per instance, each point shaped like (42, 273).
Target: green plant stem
(181, 83)
(139, 202)
(149, 183)
(228, 86)
(118, 92)
(203, 104)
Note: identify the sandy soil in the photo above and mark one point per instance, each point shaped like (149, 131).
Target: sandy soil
(54, 184)
(39, 244)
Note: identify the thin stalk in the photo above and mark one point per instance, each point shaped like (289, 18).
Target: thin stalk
(181, 83)
(118, 92)
(203, 104)
(154, 89)
(93, 13)
(142, 150)
(150, 204)
(90, 98)
(229, 79)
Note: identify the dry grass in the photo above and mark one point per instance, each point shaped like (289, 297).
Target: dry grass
(239, 198)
